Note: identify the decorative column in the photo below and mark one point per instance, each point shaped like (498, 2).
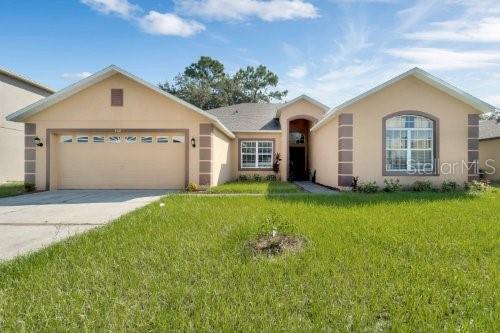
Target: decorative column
(29, 154)
(345, 150)
(473, 147)
(205, 154)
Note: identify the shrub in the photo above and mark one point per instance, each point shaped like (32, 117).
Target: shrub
(271, 178)
(192, 187)
(392, 185)
(422, 186)
(476, 186)
(29, 187)
(257, 177)
(449, 186)
(242, 178)
(370, 187)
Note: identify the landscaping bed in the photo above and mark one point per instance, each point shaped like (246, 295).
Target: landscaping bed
(10, 189)
(381, 262)
(262, 187)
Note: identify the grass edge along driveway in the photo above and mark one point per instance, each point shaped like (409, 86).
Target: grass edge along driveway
(400, 262)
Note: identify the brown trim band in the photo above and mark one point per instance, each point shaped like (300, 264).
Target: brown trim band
(435, 122)
(345, 166)
(273, 140)
(205, 154)
(51, 131)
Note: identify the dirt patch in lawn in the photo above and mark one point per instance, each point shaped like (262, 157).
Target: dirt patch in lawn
(276, 245)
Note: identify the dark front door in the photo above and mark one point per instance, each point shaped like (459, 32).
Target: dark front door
(297, 166)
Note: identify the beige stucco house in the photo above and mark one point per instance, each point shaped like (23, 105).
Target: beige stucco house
(489, 147)
(16, 92)
(114, 130)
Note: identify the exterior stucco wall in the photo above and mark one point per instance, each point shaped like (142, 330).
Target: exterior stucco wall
(222, 161)
(14, 95)
(235, 152)
(410, 94)
(490, 150)
(296, 110)
(324, 153)
(91, 108)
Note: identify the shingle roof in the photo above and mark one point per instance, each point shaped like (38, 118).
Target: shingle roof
(489, 129)
(248, 117)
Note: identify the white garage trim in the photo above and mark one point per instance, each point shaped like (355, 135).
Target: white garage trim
(51, 131)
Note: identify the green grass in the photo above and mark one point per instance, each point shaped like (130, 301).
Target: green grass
(263, 187)
(11, 188)
(414, 262)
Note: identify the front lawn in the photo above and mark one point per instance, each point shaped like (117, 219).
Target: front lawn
(418, 262)
(11, 188)
(264, 187)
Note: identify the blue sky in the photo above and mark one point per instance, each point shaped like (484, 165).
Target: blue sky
(331, 50)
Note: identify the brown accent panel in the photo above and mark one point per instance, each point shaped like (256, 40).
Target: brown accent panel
(473, 155)
(205, 142)
(116, 97)
(254, 139)
(29, 142)
(345, 131)
(205, 179)
(473, 177)
(473, 144)
(29, 178)
(473, 131)
(29, 166)
(345, 144)
(205, 129)
(29, 129)
(205, 167)
(29, 154)
(205, 154)
(436, 143)
(345, 180)
(51, 131)
(345, 119)
(472, 168)
(345, 168)
(473, 119)
(345, 156)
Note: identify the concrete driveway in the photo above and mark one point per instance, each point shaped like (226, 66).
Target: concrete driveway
(30, 222)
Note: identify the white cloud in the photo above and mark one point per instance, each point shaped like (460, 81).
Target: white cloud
(75, 76)
(347, 72)
(417, 13)
(238, 10)
(120, 7)
(298, 72)
(169, 24)
(445, 59)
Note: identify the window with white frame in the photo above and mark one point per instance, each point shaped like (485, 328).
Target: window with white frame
(66, 139)
(82, 139)
(162, 139)
(409, 144)
(256, 154)
(146, 139)
(178, 139)
(114, 139)
(98, 139)
(130, 139)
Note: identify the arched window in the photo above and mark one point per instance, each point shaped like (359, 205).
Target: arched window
(409, 144)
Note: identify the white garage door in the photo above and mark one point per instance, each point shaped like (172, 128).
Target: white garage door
(120, 160)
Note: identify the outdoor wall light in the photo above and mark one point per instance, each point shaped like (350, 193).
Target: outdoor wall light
(38, 142)
(193, 142)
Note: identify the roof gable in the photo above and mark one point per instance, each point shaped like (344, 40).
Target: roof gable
(26, 80)
(420, 74)
(298, 99)
(96, 78)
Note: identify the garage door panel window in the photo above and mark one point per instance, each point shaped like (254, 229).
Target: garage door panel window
(178, 139)
(66, 139)
(130, 139)
(146, 139)
(162, 139)
(114, 139)
(82, 139)
(256, 154)
(98, 139)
